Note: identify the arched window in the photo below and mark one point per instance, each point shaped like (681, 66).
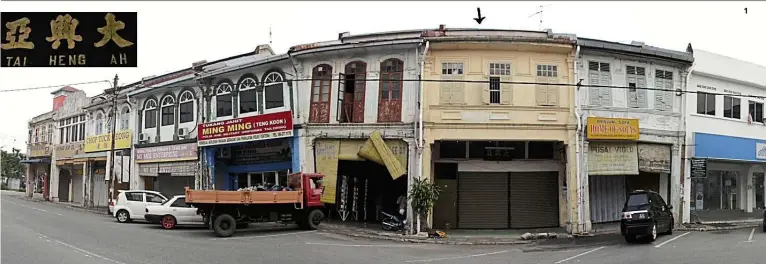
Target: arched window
(150, 114)
(274, 90)
(186, 107)
(223, 100)
(99, 124)
(248, 97)
(320, 93)
(390, 100)
(168, 110)
(125, 118)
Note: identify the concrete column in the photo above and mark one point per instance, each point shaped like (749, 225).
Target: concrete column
(578, 195)
(54, 186)
(30, 179)
(676, 190)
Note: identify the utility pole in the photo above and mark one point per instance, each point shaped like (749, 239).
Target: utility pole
(113, 127)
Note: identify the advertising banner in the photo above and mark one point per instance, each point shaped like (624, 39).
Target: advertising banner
(103, 142)
(251, 128)
(168, 153)
(606, 158)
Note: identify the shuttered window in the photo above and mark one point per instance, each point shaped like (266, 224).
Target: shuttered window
(545, 94)
(663, 100)
(497, 90)
(451, 89)
(599, 73)
(636, 80)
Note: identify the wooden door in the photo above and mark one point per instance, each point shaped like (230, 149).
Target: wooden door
(390, 96)
(359, 70)
(320, 94)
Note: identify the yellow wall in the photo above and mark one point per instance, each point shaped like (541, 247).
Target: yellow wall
(518, 117)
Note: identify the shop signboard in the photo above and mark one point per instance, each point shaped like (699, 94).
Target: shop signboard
(760, 150)
(698, 168)
(609, 158)
(39, 150)
(67, 151)
(251, 128)
(613, 128)
(178, 168)
(167, 153)
(103, 142)
(262, 152)
(654, 158)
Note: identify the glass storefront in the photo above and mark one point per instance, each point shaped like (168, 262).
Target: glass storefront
(717, 191)
(267, 178)
(759, 190)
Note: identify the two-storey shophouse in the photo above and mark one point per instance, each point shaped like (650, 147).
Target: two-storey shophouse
(39, 150)
(630, 124)
(66, 173)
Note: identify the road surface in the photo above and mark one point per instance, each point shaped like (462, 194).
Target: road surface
(44, 233)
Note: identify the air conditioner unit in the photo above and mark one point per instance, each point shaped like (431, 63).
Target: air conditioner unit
(224, 153)
(143, 138)
(183, 133)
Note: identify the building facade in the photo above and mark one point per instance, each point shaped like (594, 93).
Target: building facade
(725, 135)
(358, 107)
(631, 138)
(165, 152)
(247, 138)
(66, 181)
(39, 151)
(499, 149)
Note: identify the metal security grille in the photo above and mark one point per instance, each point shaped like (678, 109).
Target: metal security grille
(534, 199)
(483, 200)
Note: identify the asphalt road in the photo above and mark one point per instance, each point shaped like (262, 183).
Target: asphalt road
(44, 233)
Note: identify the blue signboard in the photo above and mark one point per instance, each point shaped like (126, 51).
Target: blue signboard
(727, 147)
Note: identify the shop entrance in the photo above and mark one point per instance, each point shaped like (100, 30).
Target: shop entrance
(65, 179)
(364, 190)
(266, 180)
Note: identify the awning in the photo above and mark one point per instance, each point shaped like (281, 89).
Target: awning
(34, 161)
(93, 156)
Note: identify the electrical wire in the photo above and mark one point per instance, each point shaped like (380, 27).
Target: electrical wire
(678, 91)
(49, 86)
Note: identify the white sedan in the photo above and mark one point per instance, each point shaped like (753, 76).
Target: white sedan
(173, 212)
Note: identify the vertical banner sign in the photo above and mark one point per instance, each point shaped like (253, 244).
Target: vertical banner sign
(326, 156)
(69, 39)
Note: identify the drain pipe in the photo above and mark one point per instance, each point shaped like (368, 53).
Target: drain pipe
(682, 151)
(420, 133)
(578, 144)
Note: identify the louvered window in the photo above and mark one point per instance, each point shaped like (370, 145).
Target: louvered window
(451, 89)
(547, 95)
(599, 73)
(636, 77)
(663, 99)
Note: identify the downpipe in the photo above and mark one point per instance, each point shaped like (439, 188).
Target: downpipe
(682, 152)
(421, 131)
(578, 145)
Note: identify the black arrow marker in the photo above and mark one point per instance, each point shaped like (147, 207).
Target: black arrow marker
(479, 18)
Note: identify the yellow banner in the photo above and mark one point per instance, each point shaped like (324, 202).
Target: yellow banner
(377, 150)
(103, 142)
(613, 128)
(351, 148)
(326, 154)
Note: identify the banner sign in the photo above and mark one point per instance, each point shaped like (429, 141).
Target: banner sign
(68, 150)
(177, 168)
(654, 158)
(251, 128)
(606, 158)
(168, 153)
(103, 142)
(612, 128)
(40, 150)
(69, 39)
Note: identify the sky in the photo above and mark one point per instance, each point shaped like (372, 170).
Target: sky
(174, 34)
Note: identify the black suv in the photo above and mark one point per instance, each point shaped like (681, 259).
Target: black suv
(645, 215)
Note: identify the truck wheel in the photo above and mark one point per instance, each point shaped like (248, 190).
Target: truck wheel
(313, 219)
(224, 225)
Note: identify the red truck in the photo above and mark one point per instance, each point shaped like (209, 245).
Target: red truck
(225, 211)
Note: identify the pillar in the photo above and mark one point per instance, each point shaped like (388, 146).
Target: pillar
(30, 180)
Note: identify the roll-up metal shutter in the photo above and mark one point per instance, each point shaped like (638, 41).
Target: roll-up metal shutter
(534, 199)
(483, 200)
(607, 196)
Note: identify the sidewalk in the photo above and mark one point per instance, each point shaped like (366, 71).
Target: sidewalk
(704, 227)
(39, 198)
(460, 237)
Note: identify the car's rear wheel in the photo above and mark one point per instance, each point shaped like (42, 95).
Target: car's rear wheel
(168, 222)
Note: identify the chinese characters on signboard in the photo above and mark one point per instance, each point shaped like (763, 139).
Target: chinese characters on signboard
(68, 39)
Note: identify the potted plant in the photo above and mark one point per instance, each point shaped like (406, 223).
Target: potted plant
(423, 196)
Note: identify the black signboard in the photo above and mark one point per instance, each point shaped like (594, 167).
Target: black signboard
(698, 168)
(68, 39)
(498, 153)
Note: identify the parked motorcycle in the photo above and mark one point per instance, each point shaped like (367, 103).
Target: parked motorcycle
(392, 223)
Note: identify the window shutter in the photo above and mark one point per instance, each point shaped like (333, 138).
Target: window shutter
(668, 96)
(485, 90)
(606, 93)
(553, 95)
(659, 96)
(445, 91)
(641, 93)
(541, 91)
(458, 91)
(632, 95)
(341, 92)
(594, 93)
(506, 93)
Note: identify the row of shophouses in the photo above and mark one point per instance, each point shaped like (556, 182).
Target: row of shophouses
(520, 129)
